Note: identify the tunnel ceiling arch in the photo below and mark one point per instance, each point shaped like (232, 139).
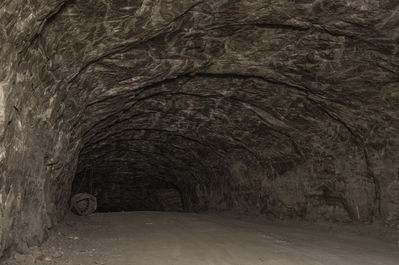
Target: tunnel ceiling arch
(285, 108)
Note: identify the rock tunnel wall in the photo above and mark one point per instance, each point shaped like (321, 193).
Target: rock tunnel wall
(286, 108)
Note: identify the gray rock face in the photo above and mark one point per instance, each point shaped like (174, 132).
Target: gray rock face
(287, 108)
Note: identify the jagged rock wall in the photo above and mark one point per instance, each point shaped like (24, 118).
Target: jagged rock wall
(286, 108)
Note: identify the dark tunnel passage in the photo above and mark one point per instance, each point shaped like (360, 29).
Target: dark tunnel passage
(173, 140)
(281, 109)
(207, 142)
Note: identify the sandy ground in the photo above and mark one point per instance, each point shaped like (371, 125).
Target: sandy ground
(149, 238)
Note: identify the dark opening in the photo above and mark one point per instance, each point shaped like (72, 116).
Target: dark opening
(124, 191)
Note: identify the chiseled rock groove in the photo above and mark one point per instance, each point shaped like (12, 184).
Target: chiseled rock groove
(287, 108)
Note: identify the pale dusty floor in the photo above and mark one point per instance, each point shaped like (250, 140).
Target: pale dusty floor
(149, 238)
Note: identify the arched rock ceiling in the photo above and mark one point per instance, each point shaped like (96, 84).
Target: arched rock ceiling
(174, 87)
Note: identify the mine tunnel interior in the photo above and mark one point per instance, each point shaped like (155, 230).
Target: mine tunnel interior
(281, 109)
(224, 142)
(178, 145)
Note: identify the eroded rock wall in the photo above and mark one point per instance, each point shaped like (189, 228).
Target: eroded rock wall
(35, 164)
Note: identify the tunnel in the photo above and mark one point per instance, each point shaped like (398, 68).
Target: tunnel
(282, 111)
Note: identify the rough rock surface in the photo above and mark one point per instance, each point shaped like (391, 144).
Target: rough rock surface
(287, 108)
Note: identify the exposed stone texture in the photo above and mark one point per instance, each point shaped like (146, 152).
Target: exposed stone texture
(288, 108)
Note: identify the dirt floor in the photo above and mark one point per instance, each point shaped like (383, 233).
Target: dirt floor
(149, 238)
